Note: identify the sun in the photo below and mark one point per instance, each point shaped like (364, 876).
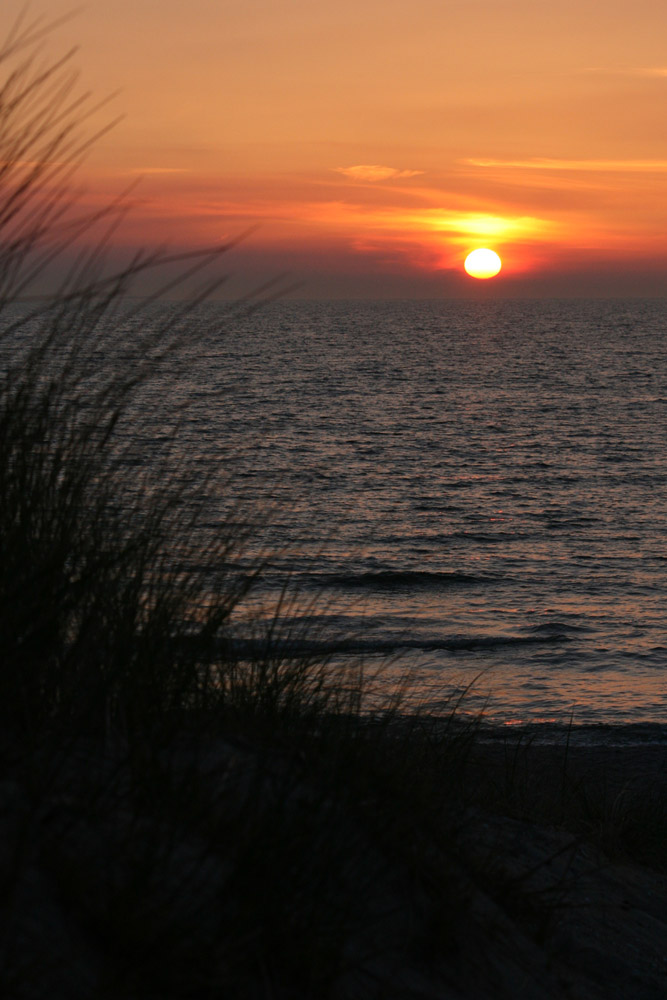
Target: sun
(483, 263)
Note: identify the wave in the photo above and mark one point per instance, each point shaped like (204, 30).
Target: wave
(292, 648)
(400, 580)
(551, 628)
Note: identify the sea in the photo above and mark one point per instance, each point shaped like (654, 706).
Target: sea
(468, 498)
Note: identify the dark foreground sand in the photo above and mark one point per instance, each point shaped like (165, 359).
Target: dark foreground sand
(555, 886)
(579, 896)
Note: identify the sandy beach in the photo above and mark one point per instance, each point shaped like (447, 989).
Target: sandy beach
(526, 894)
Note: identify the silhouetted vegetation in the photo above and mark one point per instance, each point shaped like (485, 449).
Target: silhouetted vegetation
(181, 818)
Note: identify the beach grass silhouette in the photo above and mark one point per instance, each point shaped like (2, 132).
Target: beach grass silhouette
(182, 817)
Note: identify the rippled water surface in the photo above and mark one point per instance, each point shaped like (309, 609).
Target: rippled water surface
(454, 490)
(461, 489)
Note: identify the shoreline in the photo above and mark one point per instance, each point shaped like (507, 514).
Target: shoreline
(586, 734)
(605, 735)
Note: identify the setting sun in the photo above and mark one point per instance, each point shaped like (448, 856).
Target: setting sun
(372, 183)
(482, 263)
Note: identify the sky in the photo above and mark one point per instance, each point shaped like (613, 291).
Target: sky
(365, 147)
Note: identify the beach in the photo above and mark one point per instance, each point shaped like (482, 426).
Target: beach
(522, 878)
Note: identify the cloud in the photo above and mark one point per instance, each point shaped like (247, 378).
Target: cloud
(374, 172)
(158, 170)
(546, 163)
(660, 71)
(651, 71)
(485, 225)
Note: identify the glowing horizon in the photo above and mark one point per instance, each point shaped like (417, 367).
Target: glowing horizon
(367, 159)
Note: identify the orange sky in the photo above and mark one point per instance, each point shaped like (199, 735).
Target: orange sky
(373, 143)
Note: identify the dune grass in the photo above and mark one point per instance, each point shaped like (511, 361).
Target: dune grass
(188, 818)
(180, 817)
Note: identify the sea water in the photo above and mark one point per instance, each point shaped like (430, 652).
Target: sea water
(456, 492)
